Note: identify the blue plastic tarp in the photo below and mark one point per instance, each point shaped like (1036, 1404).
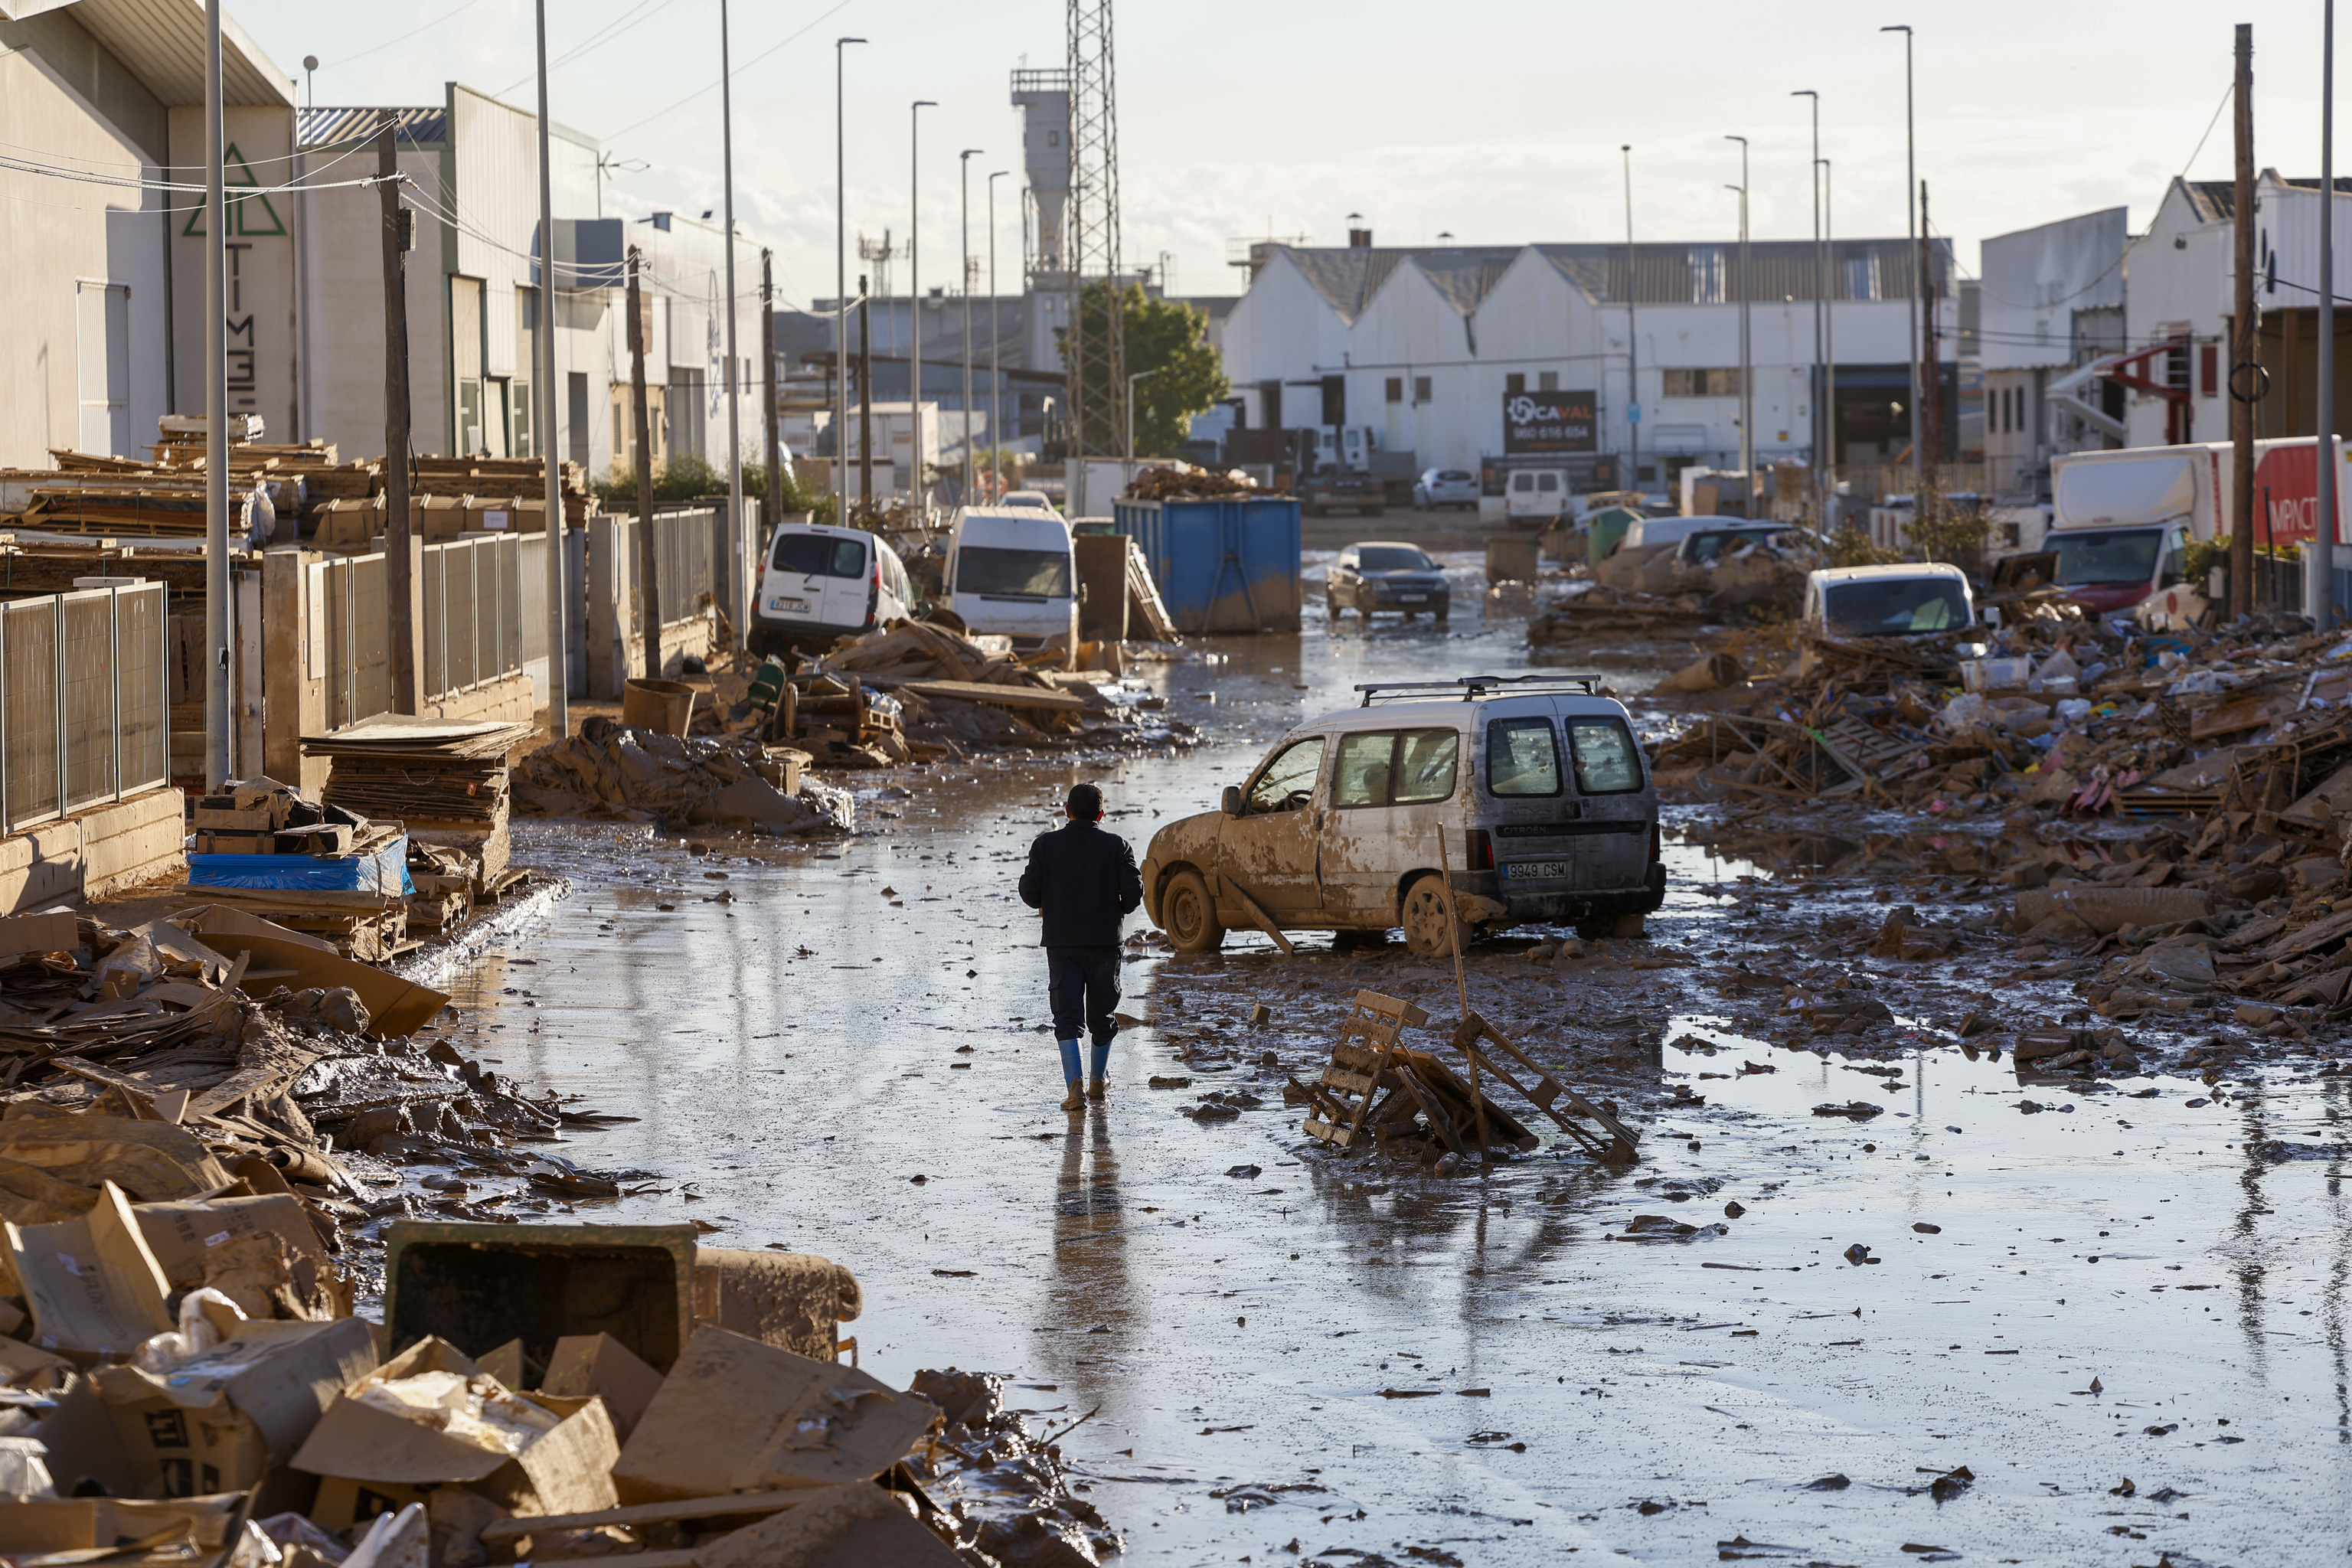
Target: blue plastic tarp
(385, 871)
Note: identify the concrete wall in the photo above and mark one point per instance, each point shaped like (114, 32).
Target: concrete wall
(343, 337)
(264, 336)
(57, 234)
(94, 853)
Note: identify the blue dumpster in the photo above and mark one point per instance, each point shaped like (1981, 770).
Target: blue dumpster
(1228, 565)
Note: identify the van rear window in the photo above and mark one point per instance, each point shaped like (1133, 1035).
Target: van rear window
(1522, 757)
(1029, 573)
(816, 555)
(1606, 763)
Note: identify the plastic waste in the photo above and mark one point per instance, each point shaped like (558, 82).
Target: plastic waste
(206, 1318)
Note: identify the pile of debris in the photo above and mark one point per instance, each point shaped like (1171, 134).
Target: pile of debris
(1649, 591)
(1182, 481)
(446, 781)
(619, 773)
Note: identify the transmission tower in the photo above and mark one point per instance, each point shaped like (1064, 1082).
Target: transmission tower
(1096, 359)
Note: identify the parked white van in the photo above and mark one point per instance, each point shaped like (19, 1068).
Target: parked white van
(821, 583)
(1900, 600)
(1533, 497)
(1528, 792)
(1010, 571)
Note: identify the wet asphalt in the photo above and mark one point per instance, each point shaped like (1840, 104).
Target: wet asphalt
(2124, 1324)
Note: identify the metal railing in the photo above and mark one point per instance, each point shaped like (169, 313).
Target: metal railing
(84, 701)
(472, 593)
(685, 544)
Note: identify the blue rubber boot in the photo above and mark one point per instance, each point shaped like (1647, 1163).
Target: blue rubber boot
(1075, 1098)
(1098, 1088)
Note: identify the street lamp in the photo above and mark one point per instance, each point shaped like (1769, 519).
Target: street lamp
(1632, 344)
(1131, 380)
(995, 361)
(1911, 233)
(963, 177)
(915, 297)
(1747, 365)
(1829, 361)
(840, 295)
(1820, 271)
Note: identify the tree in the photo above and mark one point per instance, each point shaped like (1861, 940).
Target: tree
(1170, 339)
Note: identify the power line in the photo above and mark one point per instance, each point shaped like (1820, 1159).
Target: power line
(402, 38)
(597, 39)
(739, 71)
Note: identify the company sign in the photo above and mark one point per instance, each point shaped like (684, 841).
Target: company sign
(1548, 422)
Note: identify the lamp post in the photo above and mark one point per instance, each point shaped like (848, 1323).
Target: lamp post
(1829, 360)
(1131, 380)
(1820, 271)
(915, 299)
(1747, 366)
(559, 642)
(995, 361)
(2320, 581)
(840, 293)
(1911, 233)
(963, 177)
(1633, 344)
(737, 564)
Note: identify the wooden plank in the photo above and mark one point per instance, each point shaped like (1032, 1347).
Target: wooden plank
(1625, 1142)
(1001, 696)
(677, 1510)
(1403, 1012)
(1257, 912)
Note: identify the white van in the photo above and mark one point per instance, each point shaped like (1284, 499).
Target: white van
(1675, 530)
(1010, 572)
(1900, 600)
(822, 584)
(1532, 496)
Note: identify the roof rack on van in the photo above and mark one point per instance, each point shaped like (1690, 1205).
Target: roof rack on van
(1469, 687)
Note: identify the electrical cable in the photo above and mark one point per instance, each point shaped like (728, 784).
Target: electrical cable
(421, 27)
(739, 71)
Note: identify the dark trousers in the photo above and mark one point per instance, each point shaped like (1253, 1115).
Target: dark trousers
(1084, 984)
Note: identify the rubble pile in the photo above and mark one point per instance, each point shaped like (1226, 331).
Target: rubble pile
(1182, 481)
(619, 773)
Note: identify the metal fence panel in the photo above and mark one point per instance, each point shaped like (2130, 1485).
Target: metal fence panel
(531, 584)
(141, 684)
(88, 668)
(28, 649)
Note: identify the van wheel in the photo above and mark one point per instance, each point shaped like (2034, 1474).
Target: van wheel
(1189, 915)
(1425, 921)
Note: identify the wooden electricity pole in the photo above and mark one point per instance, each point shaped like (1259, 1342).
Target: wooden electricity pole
(648, 558)
(2243, 347)
(400, 581)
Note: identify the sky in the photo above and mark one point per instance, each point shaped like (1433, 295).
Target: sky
(1496, 121)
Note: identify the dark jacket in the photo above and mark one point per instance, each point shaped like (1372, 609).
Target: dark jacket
(1086, 881)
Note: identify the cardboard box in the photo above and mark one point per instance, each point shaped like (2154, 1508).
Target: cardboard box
(437, 519)
(736, 1415)
(348, 525)
(94, 1288)
(395, 1006)
(362, 1453)
(222, 1420)
(82, 1524)
(57, 931)
(599, 1364)
(210, 841)
(228, 819)
(181, 1236)
(323, 839)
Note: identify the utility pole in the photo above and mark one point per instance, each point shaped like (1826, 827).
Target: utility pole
(963, 175)
(1931, 375)
(1911, 232)
(1821, 273)
(1829, 352)
(1747, 352)
(840, 291)
(641, 438)
(400, 583)
(864, 393)
(1632, 342)
(915, 297)
(738, 600)
(2243, 340)
(559, 652)
(2319, 576)
(220, 717)
(995, 356)
(775, 445)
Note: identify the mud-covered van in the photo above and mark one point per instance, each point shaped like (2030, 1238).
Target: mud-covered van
(1529, 792)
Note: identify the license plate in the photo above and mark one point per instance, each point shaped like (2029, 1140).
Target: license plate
(1535, 870)
(1412, 599)
(781, 602)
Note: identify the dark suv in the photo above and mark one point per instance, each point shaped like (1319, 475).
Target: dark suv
(1375, 577)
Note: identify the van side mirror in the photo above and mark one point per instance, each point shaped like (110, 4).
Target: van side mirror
(1231, 804)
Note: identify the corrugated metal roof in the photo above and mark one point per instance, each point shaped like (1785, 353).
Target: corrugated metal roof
(334, 127)
(162, 42)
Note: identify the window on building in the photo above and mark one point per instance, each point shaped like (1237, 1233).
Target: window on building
(1548, 381)
(1862, 276)
(1707, 274)
(1701, 382)
(1514, 383)
(1421, 389)
(1396, 389)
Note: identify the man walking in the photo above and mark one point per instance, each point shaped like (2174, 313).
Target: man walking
(1085, 881)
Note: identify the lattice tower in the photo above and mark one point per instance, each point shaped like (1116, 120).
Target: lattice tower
(1096, 359)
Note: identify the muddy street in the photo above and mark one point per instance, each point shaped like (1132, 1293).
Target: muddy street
(1973, 1317)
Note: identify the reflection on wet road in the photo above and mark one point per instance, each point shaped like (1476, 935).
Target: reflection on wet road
(2122, 1315)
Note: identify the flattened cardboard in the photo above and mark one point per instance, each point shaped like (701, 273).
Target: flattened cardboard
(395, 1006)
(855, 1523)
(182, 1235)
(56, 932)
(600, 1364)
(70, 1524)
(735, 1414)
(221, 1419)
(566, 1470)
(93, 1287)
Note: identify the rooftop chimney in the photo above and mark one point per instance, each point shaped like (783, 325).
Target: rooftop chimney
(1359, 239)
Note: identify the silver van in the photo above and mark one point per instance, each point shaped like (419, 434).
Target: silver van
(819, 583)
(1529, 792)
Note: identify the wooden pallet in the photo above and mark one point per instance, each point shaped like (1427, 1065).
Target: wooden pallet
(1362, 1070)
(1548, 1094)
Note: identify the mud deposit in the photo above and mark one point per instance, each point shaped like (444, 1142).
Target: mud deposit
(2071, 1318)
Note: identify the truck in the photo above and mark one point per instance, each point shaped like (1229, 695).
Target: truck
(2121, 523)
